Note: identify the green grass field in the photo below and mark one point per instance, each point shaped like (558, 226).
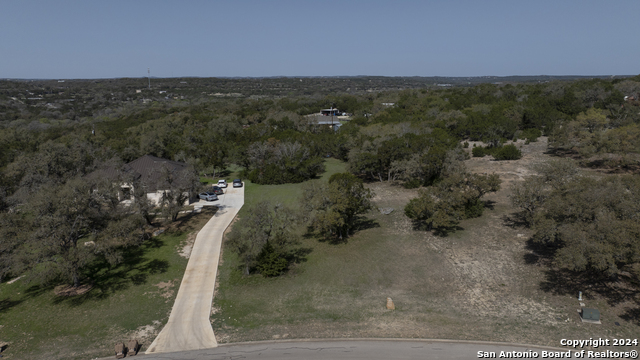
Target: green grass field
(139, 292)
(288, 194)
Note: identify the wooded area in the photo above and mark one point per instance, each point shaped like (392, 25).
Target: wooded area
(56, 219)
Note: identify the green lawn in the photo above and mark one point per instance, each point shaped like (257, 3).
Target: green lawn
(288, 194)
(37, 324)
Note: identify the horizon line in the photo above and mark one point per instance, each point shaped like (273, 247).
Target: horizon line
(314, 77)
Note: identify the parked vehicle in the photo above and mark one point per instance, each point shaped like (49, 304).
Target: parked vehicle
(237, 183)
(217, 190)
(222, 183)
(208, 196)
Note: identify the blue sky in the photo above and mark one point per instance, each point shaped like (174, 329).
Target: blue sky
(105, 39)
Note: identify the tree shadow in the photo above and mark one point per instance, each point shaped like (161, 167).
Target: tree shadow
(37, 290)
(441, 231)
(444, 231)
(489, 204)
(514, 220)
(154, 242)
(623, 287)
(562, 152)
(182, 223)
(134, 269)
(8, 303)
(567, 282)
(298, 255)
(363, 223)
(309, 233)
(333, 240)
(360, 223)
(539, 253)
(632, 315)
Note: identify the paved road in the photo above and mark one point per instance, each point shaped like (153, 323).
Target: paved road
(364, 349)
(188, 327)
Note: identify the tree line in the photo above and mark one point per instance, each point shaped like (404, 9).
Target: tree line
(410, 136)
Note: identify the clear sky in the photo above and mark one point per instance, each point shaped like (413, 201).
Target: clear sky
(106, 39)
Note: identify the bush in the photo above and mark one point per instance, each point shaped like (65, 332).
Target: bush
(473, 208)
(478, 151)
(412, 184)
(531, 135)
(465, 145)
(508, 152)
(270, 262)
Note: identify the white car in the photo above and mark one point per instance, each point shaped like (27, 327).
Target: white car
(208, 196)
(222, 183)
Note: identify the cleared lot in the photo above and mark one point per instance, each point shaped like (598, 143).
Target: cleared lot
(478, 283)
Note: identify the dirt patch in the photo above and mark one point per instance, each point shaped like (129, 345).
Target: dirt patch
(165, 289)
(69, 290)
(145, 334)
(186, 246)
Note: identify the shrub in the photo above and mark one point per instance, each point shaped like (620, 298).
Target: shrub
(412, 184)
(465, 145)
(270, 262)
(531, 135)
(478, 151)
(508, 152)
(473, 208)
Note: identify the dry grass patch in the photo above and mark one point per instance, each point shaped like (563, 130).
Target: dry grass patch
(478, 283)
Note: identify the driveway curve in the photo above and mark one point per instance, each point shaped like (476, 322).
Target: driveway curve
(189, 327)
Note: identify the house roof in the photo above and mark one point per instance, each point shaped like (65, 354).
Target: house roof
(150, 170)
(148, 163)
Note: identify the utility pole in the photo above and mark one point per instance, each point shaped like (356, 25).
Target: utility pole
(149, 77)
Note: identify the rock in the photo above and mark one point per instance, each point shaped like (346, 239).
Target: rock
(386, 211)
(390, 304)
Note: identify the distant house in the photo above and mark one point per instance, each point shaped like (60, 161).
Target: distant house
(330, 112)
(155, 175)
(329, 117)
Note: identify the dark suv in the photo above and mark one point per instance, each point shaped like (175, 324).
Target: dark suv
(217, 190)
